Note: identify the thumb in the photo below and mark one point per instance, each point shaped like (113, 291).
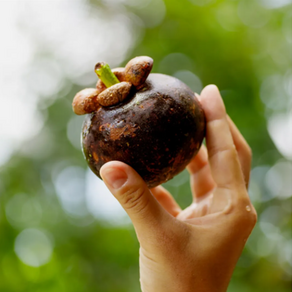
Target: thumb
(131, 191)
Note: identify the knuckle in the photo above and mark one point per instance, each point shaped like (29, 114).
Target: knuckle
(246, 215)
(254, 216)
(135, 198)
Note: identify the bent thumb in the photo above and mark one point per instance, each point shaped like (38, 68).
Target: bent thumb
(134, 196)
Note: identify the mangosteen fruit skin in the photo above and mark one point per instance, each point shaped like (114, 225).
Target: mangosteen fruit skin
(156, 130)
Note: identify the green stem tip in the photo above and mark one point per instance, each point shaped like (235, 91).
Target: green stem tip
(105, 74)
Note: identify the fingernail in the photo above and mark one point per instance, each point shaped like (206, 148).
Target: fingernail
(114, 177)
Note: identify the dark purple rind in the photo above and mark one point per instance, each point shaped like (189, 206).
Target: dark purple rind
(157, 131)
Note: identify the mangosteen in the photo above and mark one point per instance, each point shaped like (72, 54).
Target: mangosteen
(152, 122)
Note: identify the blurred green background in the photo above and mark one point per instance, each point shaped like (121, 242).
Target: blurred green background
(60, 229)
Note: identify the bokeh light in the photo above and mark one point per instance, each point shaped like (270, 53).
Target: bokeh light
(252, 14)
(61, 46)
(33, 247)
(102, 204)
(190, 79)
(70, 188)
(23, 211)
(279, 127)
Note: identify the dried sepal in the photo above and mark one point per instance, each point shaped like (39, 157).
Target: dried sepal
(137, 70)
(85, 101)
(120, 74)
(114, 94)
(100, 86)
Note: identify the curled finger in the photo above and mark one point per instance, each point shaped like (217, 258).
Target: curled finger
(166, 200)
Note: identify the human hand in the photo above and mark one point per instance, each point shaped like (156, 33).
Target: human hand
(196, 249)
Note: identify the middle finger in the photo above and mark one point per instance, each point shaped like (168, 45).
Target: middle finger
(201, 179)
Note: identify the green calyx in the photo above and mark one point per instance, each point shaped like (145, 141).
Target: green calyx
(105, 74)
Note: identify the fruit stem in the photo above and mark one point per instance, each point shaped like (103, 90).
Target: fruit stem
(105, 74)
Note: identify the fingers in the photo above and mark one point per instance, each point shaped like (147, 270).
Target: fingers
(243, 150)
(131, 191)
(166, 200)
(200, 174)
(223, 159)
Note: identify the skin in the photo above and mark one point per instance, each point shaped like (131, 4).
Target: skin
(196, 249)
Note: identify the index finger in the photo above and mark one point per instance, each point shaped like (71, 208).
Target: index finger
(223, 158)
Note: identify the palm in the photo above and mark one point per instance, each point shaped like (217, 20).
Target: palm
(197, 209)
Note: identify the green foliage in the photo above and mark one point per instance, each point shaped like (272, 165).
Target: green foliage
(222, 43)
